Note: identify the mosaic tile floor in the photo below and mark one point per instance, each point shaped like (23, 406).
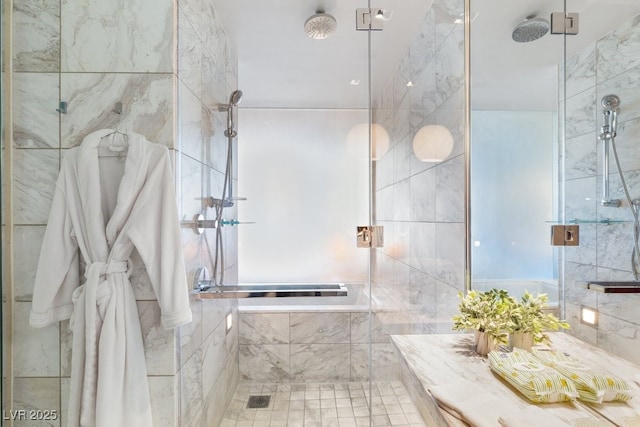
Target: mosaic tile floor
(322, 405)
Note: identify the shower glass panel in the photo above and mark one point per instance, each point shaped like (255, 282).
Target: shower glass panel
(515, 63)
(602, 60)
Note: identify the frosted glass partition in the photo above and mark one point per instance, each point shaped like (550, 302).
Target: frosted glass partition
(306, 181)
(512, 192)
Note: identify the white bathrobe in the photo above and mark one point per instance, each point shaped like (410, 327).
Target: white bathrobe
(103, 208)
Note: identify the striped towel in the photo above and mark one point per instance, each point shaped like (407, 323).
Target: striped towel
(537, 382)
(593, 387)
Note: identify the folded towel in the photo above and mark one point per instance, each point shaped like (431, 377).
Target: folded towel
(524, 418)
(593, 386)
(468, 402)
(539, 383)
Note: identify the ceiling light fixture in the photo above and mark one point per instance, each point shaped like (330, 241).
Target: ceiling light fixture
(320, 25)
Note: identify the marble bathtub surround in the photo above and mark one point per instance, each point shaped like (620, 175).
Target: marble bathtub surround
(435, 360)
(318, 346)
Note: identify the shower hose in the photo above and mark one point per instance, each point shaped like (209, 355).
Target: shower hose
(635, 208)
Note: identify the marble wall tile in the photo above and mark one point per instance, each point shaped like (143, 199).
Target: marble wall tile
(422, 49)
(189, 53)
(449, 115)
(191, 333)
(36, 35)
(147, 105)
(611, 253)
(402, 153)
(137, 37)
(447, 306)
(402, 201)
(36, 394)
(402, 241)
(35, 175)
(617, 51)
(578, 329)
(450, 253)
(586, 252)
(581, 71)
(215, 57)
(159, 343)
(27, 243)
(37, 351)
(450, 64)
(383, 324)
(445, 13)
(424, 292)
(576, 276)
(265, 363)
(619, 337)
(386, 365)
(627, 147)
(215, 143)
(423, 247)
(190, 124)
(581, 159)
(449, 183)
(163, 403)
(140, 280)
(220, 395)
(384, 204)
(267, 328)
(36, 95)
(214, 358)
(625, 85)
(580, 198)
(192, 12)
(213, 313)
(581, 113)
(423, 196)
(319, 362)
(620, 306)
(191, 396)
(191, 188)
(384, 170)
(319, 328)
(66, 343)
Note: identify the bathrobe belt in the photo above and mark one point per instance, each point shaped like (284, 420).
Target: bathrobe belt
(86, 297)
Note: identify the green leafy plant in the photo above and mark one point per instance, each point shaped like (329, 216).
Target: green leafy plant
(528, 316)
(487, 312)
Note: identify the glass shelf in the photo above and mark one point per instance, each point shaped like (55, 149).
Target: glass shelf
(605, 221)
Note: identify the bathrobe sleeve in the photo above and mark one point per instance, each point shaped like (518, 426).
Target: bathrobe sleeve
(155, 232)
(58, 273)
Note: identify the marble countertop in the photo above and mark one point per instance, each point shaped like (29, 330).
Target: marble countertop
(439, 359)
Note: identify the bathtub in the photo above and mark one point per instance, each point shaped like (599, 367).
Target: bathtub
(517, 287)
(356, 299)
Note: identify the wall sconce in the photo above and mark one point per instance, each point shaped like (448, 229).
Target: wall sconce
(359, 134)
(433, 143)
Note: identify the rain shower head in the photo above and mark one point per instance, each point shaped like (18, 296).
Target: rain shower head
(530, 29)
(320, 25)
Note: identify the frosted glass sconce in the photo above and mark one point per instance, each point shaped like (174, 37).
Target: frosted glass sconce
(433, 143)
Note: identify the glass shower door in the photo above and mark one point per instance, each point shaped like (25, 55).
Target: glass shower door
(600, 98)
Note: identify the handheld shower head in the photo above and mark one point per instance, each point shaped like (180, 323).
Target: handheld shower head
(235, 97)
(610, 105)
(610, 102)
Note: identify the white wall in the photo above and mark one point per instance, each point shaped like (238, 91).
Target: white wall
(306, 186)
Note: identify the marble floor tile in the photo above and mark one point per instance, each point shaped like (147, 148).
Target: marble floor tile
(324, 404)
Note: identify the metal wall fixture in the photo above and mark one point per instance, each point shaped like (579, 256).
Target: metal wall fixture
(370, 19)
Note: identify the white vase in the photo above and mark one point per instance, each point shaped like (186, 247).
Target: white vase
(522, 340)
